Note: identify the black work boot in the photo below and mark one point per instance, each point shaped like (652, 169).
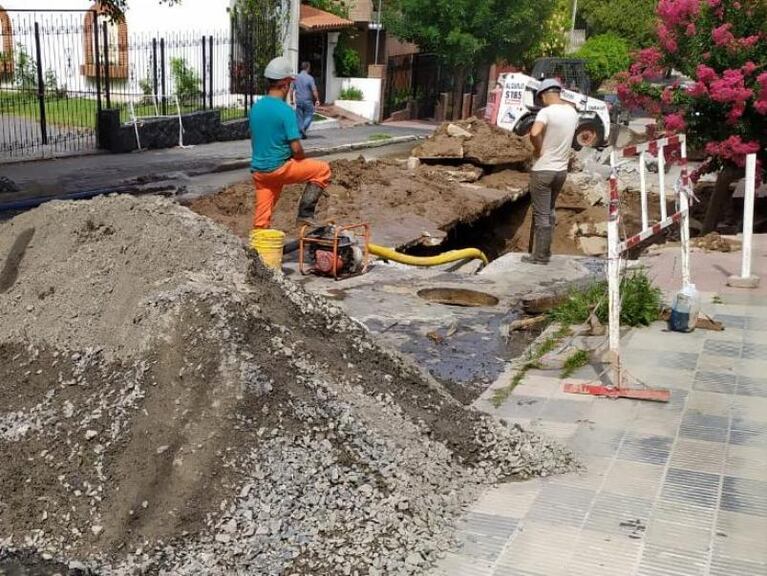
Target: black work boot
(541, 247)
(308, 204)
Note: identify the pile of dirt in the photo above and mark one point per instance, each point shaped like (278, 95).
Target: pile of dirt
(383, 192)
(714, 242)
(477, 142)
(167, 404)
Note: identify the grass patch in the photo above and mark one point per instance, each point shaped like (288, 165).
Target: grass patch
(79, 112)
(379, 136)
(576, 360)
(544, 347)
(641, 302)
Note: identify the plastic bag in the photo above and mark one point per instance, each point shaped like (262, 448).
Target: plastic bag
(685, 308)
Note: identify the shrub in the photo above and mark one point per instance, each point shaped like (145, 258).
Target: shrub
(347, 60)
(25, 72)
(351, 93)
(185, 79)
(52, 87)
(641, 302)
(605, 56)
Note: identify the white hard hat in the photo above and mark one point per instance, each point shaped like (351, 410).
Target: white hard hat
(549, 84)
(278, 69)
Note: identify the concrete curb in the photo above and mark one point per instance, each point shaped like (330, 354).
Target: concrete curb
(318, 152)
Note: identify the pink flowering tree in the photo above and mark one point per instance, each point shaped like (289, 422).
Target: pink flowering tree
(721, 45)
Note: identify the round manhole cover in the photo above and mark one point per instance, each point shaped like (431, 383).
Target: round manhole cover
(457, 297)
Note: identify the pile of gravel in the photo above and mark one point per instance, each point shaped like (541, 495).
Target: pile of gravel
(169, 405)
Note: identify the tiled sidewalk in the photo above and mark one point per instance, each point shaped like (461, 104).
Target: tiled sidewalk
(669, 489)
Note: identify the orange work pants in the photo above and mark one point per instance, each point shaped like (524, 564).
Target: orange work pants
(269, 185)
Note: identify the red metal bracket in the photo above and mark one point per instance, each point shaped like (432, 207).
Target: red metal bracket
(585, 387)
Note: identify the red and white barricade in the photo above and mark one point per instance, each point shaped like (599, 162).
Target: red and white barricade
(621, 386)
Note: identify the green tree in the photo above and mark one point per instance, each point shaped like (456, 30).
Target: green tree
(467, 34)
(605, 56)
(553, 39)
(632, 20)
(337, 7)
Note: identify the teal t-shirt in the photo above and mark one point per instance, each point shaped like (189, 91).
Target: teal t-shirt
(273, 126)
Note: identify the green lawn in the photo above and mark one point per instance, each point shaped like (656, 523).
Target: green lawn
(81, 112)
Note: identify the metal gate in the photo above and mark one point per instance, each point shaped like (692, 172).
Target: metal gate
(60, 68)
(47, 107)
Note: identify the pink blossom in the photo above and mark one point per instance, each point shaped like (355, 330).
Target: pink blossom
(667, 38)
(748, 68)
(698, 90)
(705, 74)
(735, 113)
(749, 41)
(674, 122)
(678, 12)
(706, 55)
(733, 149)
(667, 96)
(722, 35)
(714, 3)
(736, 5)
(730, 88)
(761, 106)
(691, 29)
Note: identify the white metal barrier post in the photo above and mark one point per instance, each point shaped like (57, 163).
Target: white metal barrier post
(620, 386)
(746, 280)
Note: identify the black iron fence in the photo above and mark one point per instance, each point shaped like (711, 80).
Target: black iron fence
(420, 78)
(60, 68)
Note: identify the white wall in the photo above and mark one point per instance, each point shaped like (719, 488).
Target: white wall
(370, 106)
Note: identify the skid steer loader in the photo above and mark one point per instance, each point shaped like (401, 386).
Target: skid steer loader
(513, 106)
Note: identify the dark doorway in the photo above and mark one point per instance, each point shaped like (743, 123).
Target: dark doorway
(312, 48)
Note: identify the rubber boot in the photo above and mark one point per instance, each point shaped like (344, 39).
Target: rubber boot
(308, 205)
(541, 247)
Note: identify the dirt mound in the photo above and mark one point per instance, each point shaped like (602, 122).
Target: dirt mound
(168, 404)
(383, 192)
(476, 141)
(714, 242)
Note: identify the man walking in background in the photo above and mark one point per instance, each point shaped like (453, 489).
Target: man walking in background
(278, 158)
(306, 97)
(552, 136)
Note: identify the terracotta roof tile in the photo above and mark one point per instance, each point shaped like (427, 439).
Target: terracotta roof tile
(315, 19)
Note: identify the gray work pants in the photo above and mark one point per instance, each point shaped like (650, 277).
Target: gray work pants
(545, 186)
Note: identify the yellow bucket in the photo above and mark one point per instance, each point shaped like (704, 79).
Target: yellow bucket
(268, 244)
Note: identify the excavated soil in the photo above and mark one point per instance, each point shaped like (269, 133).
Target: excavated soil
(367, 192)
(167, 404)
(477, 142)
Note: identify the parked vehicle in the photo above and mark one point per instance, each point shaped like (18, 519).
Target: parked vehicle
(513, 106)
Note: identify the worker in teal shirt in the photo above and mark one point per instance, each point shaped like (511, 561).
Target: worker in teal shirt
(278, 158)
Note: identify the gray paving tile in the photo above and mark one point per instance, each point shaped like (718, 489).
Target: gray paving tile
(748, 386)
(619, 514)
(703, 427)
(645, 448)
(755, 323)
(667, 561)
(561, 505)
(747, 432)
(744, 496)
(696, 488)
(596, 440)
(679, 536)
(720, 382)
(722, 566)
(754, 351)
(678, 360)
(731, 320)
(484, 536)
(521, 407)
(723, 348)
(564, 410)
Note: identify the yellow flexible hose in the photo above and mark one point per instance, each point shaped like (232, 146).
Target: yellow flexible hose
(446, 257)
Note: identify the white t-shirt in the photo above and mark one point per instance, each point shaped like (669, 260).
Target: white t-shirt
(560, 120)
